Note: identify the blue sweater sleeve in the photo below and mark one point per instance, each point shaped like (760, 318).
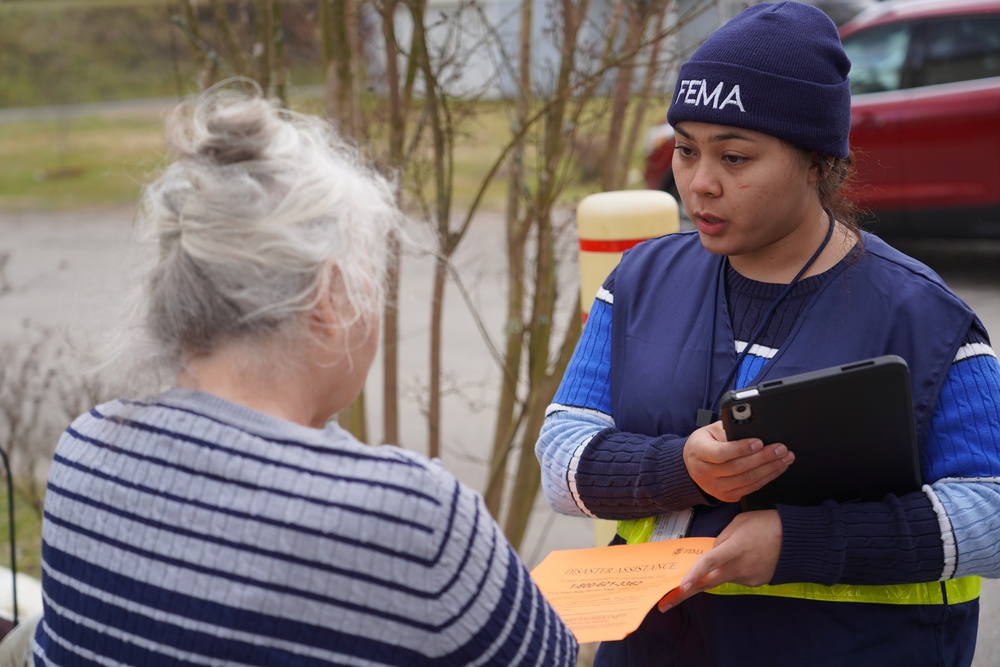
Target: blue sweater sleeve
(945, 531)
(591, 468)
(963, 459)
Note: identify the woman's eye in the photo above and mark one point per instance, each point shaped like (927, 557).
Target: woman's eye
(683, 151)
(733, 159)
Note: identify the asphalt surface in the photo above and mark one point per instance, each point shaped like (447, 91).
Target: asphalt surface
(972, 270)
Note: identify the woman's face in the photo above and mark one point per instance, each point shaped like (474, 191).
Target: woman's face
(751, 196)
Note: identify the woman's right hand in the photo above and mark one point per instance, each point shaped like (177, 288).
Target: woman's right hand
(729, 470)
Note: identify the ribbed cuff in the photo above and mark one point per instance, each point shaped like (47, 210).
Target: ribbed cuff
(812, 545)
(897, 541)
(629, 476)
(681, 492)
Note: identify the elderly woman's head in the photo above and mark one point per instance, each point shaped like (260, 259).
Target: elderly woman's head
(263, 219)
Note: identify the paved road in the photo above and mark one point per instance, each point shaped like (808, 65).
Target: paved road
(84, 109)
(972, 269)
(68, 271)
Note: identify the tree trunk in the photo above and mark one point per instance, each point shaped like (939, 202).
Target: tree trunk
(440, 147)
(505, 429)
(339, 70)
(434, 390)
(614, 177)
(336, 60)
(278, 66)
(390, 317)
(187, 21)
(262, 48)
(526, 480)
(652, 68)
(390, 345)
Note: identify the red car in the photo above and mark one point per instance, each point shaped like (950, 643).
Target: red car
(925, 126)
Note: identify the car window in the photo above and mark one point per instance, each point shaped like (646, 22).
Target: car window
(959, 50)
(877, 58)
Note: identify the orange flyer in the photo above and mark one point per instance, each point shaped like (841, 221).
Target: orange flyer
(603, 593)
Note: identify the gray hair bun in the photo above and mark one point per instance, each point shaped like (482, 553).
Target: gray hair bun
(259, 211)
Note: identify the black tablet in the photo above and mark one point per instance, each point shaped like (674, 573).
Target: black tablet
(851, 429)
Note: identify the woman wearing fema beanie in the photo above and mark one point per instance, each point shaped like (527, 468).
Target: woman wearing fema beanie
(778, 280)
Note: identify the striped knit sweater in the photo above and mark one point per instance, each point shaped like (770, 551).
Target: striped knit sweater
(191, 531)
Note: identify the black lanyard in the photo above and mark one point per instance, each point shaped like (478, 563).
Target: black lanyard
(709, 411)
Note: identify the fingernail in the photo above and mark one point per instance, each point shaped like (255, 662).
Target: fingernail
(686, 587)
(663, 607)
(780, 451)
(756, 446)
(788, 459)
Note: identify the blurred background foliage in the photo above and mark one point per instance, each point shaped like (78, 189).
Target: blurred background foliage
(84, 86)
(79, 51)
(63, 66)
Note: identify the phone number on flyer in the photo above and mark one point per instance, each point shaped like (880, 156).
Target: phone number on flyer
(625, 583)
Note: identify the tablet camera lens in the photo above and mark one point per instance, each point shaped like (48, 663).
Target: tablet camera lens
(741, 413)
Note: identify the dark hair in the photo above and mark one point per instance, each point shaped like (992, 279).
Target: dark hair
(836, 182)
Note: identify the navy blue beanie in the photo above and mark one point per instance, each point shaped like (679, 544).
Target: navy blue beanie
(777, 68)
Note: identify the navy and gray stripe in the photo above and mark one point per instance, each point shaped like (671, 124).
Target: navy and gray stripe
(185, 531)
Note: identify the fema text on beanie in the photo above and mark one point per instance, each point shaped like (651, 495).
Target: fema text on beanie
(777, 68)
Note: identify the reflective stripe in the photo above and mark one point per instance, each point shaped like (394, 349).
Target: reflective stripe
(958, 590)
(965, 589)
(637, 531)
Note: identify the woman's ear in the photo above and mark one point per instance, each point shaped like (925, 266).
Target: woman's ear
(818, 166)
(330, 298)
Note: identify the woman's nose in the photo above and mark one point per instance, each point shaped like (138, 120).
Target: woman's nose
(704, 181)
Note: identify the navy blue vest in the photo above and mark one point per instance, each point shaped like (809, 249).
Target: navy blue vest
(881, 302)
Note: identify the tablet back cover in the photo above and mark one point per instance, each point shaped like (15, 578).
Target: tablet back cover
(851, 429)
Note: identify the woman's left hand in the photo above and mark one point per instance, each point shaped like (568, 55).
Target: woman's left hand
(746, 553)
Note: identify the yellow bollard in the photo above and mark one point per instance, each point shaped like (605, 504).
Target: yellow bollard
(608, 224)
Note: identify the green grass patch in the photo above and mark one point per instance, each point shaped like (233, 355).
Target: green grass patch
(64, 163)
(60, 52)
(103, 159)
(71, 52)
(28, 538)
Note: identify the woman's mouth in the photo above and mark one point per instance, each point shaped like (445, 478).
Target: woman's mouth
(707, 223)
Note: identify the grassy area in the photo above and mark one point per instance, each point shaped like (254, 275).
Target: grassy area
(76, 51)
(28, 538)
(81, 52)
(61, 163)
(102, 160)
(59, 52)
(65, 163)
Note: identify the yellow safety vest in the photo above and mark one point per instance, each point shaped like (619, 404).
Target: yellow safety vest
(952, 591)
